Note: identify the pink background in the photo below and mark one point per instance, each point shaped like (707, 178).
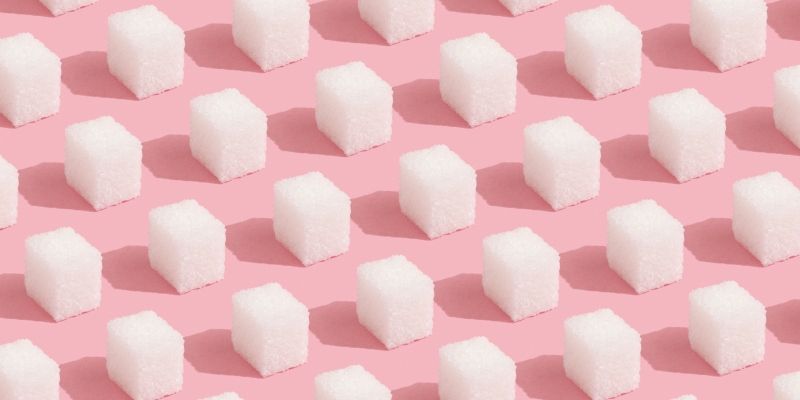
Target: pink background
(669, 367)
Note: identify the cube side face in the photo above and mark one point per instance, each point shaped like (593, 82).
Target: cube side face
(9, 193)
(31, 91)
(27, 373)
(58, 7)
(786, 386)
(273, 33)
(786, 99)
(518, 7)
(729, 36)
(396, 22)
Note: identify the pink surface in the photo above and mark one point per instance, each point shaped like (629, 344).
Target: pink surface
(669, 367)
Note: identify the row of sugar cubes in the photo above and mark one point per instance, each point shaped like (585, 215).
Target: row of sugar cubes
(602, 353)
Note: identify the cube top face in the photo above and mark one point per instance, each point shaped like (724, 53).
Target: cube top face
(519, 247)
(268, 8)
(225, 396)
(786, 386)
(184, 218)
(23, 53)
(58, 7)
(143, 330)
(725, 301)
(226, 108)
(436, 165)
(62, 247)
(306, 192)
(475, 357)
(353, 81)
(102, 138)
(599, 329)
(642, 220)
(685, 109)
(768, 193)
(143, 26)
(350, 383)
(6, 169)
(788, 78)
(561, 138)
(601, 26)
(731, 12)
(263, 302)
(477, 55)
(21, 359)
(393, 277)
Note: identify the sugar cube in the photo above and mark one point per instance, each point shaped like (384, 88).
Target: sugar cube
(103, 162)
(437, 190)
(228, 134)
(27, 373)
(186, 245)
(786, 386)
(144, 356)
(58, 7)
(270, 328)
(730, 33)
(645, 245)
(726, 326)
(602, 354)
(225, 396)
(603, 51)
(520, 273)
(311, 217)
(562, 162)
(686, 397)
(351, 383)
(517, 7)
(478, 78)
(30, 79)
(63, 273)
(9, 193)
(786, 99)
(766, 217)
(145, 50)
(686, 134)
(396, 21)
(272, 33)
(354, 107)
(395, 301)
(476, 369)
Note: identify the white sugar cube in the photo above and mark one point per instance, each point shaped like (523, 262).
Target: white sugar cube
(786, 99)
(228, 134)
(144, 356)
(270, 328)
(63, 273)
(311, 217)
(437, 190)
(520, 273)
(145, 50)
(730, 33)
(786, 386)
(686, 134)
(103, 162)
(603, 51)
(30, 79)
(645, 245)
(58, 7)
(562, 162)
(766, 217)
(478, 78)
(602, 354)
(351, 383)
(186, 245)
(9, 193)
(517, 7)
(272, 33)
(476, 369)
(354, 107)
(726, 326)
(395, 301)
(395, 20)
(225, 396)
(27, 373)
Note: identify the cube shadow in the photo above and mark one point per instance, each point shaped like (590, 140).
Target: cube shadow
(87, 74)
(169, 157)
(586, 268)
(628, 157)
(212, 46)
(462, 296)
(339, 20)
(544, 378)
(669, 350)
(503, 185)
(336, 324)
(24, 7)
(379, 214)
(295, 130)
(45, 185)
(485, 7)
(87, 379)
(669, 46)
(128, 268)
(783, 320)
(253, 240)
(417, 391)
(781, 16)
(212, 352)
(545, 74)
(15, 302)
(753, 129)
(420, 102)
(712, 240)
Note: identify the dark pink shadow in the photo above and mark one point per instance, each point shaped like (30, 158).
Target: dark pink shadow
(544, 378)
(669, 46)
(15, 303)
(628, 157)
(420, 102)
(485, 7)
(668, 350)
(169, 157)
(128, 268)
(44, 185)
(24, 7)
(503, 185)
(417, 391)
(336, 324)
(253, 240)
(379, 214)
(212, 46)
(295, 130)
(339, 20)
(87, 74)
(87, 379)
(753, 129)
(712, 241)
(586, 268)
(462, 296)
(211, 352)
(783, 321)
(782, 17)
(545, 74)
